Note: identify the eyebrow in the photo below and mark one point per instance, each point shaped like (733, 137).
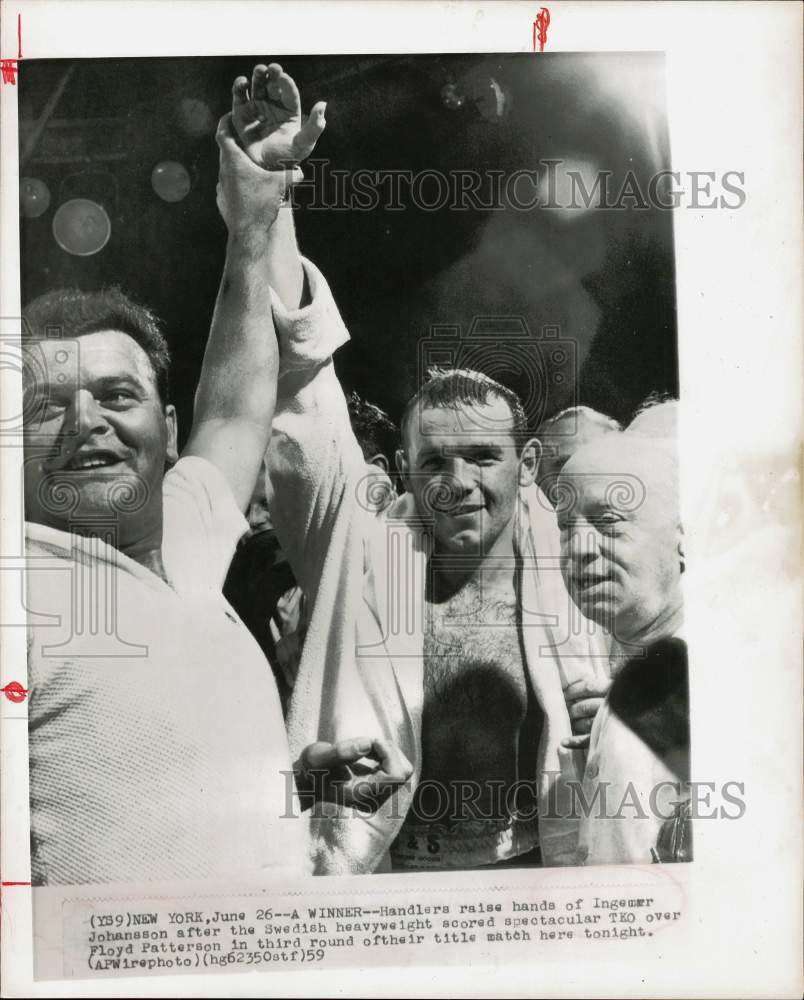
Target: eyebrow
(468, 450)
(596, 508)
(112, 381)
(54, 391)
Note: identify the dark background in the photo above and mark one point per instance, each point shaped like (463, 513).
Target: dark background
(606, 278)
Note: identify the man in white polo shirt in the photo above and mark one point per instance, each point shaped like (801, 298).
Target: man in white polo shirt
(157, 744)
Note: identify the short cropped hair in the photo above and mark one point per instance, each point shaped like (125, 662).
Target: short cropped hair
(75, 313)
(451, 388)
(375, 432)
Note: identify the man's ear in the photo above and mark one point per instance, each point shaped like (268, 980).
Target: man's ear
(172, 427)
(380, 461)
(403, 468)
(529, 462)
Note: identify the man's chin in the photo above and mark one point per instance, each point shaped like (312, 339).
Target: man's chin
(66, 498)
(596, 604)
(464, 543)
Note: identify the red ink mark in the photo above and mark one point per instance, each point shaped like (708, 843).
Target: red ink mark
(14, 883)
(540, 26)
(9, 67)
(15, 693)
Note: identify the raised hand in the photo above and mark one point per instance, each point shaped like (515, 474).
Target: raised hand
(268, 118)
(247, 199)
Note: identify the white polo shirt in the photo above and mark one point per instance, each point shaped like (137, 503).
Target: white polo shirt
(157, 744)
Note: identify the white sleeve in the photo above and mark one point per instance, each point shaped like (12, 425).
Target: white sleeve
(314, 462)
(202, 525)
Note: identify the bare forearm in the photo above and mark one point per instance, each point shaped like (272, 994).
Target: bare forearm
(283, 262)
(236, 394)
(238, 378)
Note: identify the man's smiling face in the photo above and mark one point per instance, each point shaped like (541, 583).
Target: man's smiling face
(464, 470)
(98, 437)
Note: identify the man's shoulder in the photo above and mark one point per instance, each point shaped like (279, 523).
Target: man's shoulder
(202, 524)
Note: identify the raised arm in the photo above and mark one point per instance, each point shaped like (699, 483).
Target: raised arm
(269, 123)
(236, 394)
(314, 461)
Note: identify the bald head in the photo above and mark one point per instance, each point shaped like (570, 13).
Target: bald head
(659, 420)
(617, 506)
(563, 434)
(628, 463)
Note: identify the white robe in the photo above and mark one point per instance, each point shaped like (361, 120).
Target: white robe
(361, 671)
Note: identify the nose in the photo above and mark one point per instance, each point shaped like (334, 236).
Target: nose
(86, 417)
(462, 476)
(583, 544)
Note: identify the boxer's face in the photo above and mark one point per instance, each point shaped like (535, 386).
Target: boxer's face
(464, 469)
(97, 436)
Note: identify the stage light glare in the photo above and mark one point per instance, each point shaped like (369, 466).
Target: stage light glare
(81, 227)
(195, 116)
(171, 180)
(34, 197)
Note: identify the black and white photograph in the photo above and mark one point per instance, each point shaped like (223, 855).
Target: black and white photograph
(353, 541)
(492, 345)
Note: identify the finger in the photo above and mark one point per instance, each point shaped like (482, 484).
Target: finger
(585, 708)
(575, 690)
(273, 73)
(394, 765)
(239, 92)
(587, 686)
(258, 91)
(314, 126)
(285, 90)
(324, 755)
(575, 742)
(224, 134)
(582, 726)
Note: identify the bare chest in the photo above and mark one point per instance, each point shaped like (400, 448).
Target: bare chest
(472, 654)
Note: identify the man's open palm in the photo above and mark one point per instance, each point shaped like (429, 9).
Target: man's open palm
(268, 118)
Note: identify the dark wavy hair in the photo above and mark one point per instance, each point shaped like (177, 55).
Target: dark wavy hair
(70, 313)
(373, 428)
(452, 388)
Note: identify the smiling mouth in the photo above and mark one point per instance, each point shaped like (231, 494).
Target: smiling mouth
(92, 460)
(586, 583)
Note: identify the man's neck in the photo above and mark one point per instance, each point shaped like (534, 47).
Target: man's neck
(148, 553)
(493, 570)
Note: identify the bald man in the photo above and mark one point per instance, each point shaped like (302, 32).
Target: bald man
(622, 545)
(564, 433)
(657, 417)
